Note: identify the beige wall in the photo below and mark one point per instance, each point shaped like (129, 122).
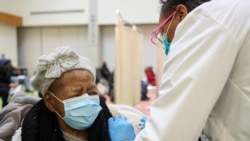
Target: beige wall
(34, 41)
(8, 40)
(42, 32)
(76, 12)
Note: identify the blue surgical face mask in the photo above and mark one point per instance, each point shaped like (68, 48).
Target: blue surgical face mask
(81, 111)
(166, 44)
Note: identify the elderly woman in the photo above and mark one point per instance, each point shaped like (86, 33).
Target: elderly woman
(71, 108)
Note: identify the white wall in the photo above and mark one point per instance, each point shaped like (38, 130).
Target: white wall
(149, 55)
(75, 12)
(42, 32)
(134, 11)
(35, 41)
(8, 40)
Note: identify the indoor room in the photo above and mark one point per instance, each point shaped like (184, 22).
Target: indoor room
(124, 70)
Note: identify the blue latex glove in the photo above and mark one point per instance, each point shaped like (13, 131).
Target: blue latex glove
(120, 129)
(143, 122)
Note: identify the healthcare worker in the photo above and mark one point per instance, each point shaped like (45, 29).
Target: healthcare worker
(206, 80)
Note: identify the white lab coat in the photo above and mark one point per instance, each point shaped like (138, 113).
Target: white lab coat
(207, 74)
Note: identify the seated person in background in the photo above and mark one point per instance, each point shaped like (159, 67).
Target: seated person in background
(144, 91)
(105, 73)
(19, 78)
(6, 69)
(71, 108)
(150, 76)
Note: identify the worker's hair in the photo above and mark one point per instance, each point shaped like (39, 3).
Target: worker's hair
(168, 6)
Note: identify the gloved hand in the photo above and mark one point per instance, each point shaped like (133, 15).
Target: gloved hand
(143, 122)
(120, 129)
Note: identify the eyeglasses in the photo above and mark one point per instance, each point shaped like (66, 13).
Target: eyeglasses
(156, 37)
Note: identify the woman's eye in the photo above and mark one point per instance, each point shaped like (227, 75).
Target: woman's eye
(92, 93)
(78, 95)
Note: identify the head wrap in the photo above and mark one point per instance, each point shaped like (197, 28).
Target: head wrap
(53, 65)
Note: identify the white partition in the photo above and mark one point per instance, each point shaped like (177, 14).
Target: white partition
(50, 39)
(40, 40)
(29, 48)
(108, 46)
(34, 42)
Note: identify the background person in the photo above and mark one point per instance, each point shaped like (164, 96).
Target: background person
(19, 78)
(105, 79)
(151, 79)
(6, 70)
(105, 72)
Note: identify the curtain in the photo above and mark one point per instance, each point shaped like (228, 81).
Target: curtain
(128, 63)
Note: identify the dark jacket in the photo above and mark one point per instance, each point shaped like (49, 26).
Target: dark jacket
(6, 70)
(40, 124)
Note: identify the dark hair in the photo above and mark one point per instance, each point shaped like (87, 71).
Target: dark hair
(169, 5)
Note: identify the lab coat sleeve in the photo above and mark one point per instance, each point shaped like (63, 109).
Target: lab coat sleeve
(201, 57)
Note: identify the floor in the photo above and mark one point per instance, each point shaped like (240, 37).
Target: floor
(144, 106)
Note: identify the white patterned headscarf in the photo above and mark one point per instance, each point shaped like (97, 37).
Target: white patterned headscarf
(53, 65)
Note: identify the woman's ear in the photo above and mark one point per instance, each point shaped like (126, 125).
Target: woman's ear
(181, 12)
(49, 102)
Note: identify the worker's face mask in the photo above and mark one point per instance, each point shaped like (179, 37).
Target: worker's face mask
(166, 44)
(81, 111)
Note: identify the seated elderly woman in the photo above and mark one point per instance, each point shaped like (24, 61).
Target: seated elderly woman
(71, 108)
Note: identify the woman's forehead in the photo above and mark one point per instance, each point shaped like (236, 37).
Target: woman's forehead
(78, 72)
(73, 76)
